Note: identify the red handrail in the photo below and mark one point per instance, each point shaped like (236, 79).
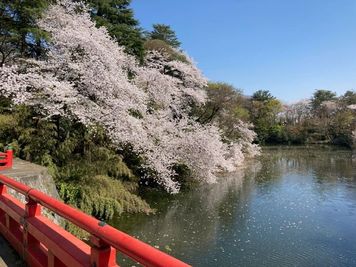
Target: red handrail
(23, 224)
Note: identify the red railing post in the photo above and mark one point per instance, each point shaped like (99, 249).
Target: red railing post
(9, 156)
(102, 254)
(32, 209)
(6, 159)
(2, 189)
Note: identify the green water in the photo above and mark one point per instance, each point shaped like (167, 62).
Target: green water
(291, 207)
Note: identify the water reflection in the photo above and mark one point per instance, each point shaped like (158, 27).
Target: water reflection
(291, 207)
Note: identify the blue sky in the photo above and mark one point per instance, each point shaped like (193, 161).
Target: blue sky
(290, 47)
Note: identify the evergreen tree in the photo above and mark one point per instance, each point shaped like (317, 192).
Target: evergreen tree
(321, 96)
(19, 34)
(119, 20)
(165, 33)
(349, 98)
(262, 95)
(264, 109)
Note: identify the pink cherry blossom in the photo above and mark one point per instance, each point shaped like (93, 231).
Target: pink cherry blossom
(86, 76)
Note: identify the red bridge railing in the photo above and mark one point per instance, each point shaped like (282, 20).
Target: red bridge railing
(6, 159)
(43, 243)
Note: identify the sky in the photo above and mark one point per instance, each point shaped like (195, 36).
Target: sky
(289, 47)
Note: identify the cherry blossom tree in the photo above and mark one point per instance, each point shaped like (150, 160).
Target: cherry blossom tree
(296, 112)
(89, 77)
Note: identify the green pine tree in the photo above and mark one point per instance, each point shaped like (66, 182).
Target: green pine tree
(19, 34)
(119, 20)
(165, 33)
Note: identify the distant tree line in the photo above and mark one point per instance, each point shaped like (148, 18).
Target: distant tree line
(322, 119)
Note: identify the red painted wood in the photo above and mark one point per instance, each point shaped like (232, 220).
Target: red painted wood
(43, 243)
(6, 159)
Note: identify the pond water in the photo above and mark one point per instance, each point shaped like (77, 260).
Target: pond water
(293, 206)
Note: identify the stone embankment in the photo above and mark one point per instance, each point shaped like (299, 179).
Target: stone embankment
(34, 176)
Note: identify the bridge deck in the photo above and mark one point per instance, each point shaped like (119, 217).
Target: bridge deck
(8, 257)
